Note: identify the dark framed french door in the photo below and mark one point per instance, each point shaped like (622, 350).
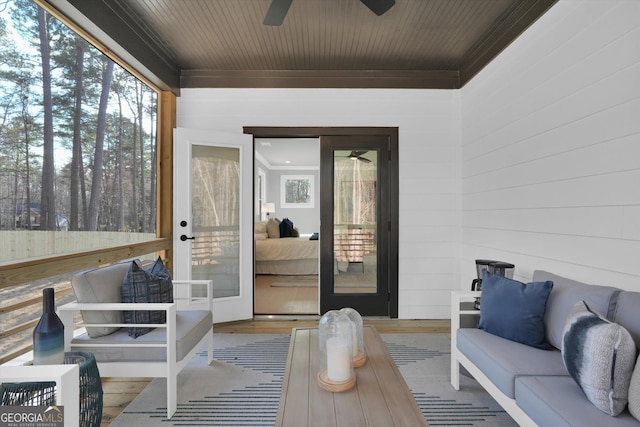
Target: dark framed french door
(358, 246)
(357, 241)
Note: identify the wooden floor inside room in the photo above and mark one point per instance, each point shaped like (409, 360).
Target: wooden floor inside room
(287, 300)
(119, 392)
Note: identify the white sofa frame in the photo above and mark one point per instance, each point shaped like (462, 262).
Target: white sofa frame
(458, 298)
(170, 367)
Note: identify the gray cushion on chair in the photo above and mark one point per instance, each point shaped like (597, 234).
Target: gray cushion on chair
(100, 285)
(191, 326)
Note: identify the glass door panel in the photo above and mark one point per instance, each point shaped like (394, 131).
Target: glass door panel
(354, 232)
(354, 221)
(213, 217)
(215, 252)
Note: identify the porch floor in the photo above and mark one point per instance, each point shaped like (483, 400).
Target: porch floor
(119, 392)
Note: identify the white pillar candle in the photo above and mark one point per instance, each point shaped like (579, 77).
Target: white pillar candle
(339, 359)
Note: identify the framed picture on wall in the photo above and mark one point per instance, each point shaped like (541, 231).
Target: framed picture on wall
(296, 191)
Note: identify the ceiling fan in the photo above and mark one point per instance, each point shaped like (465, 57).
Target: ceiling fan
(357, 155)
(279, 8)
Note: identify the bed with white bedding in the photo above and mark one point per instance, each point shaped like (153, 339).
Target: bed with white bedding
(287, 255)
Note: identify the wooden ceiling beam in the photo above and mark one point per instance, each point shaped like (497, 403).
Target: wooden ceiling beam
(369, 79)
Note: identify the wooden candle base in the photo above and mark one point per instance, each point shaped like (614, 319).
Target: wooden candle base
(359, 359)
(333, 386)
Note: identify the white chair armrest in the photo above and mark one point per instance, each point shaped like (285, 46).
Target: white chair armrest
(191, 282)
(127, 306)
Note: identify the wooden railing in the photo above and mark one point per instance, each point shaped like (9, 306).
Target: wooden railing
(20, 274)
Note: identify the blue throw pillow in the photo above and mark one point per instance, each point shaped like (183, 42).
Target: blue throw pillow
(159, 269)
(140, 286)
(286, 228)
(514, 310)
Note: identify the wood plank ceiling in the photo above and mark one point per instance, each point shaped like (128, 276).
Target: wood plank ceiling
(322, 43)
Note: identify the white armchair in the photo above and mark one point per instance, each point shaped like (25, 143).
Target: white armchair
(163, 352)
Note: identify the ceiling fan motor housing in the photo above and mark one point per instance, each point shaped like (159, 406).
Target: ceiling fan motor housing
(279, 8)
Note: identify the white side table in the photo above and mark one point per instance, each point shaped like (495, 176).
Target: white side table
(66, 377)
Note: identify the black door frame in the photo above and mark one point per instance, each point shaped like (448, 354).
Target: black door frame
(392, 134)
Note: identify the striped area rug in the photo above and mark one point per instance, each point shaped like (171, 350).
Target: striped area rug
(242, 386)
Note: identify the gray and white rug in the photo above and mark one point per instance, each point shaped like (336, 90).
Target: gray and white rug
(242, 386)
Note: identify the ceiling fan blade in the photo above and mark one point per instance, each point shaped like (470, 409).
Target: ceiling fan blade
(357, 155)
(277, 12)
(379, 7)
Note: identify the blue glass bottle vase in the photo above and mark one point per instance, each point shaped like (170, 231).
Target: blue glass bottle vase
(48, 335)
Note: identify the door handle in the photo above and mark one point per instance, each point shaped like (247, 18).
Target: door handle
(184, 238)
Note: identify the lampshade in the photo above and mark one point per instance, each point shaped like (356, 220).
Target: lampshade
(268, 208)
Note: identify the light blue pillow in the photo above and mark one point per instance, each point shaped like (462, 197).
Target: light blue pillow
(514, 310)
(600, 356)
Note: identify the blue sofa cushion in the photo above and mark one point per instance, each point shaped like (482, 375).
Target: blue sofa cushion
(634, 392)
(600, 356)
(558, 401)
(514, 310)
(502, 360)
(626, 313)
(565, 294)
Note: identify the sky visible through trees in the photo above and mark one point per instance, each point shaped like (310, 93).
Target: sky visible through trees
(77, 132)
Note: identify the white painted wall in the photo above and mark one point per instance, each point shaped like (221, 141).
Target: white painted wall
(429, 145)
(551, 148)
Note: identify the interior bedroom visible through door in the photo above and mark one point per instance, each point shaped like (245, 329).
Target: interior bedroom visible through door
(286, 253)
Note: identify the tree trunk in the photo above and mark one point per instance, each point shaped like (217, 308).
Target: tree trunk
(76, 157)
(48, 220)
(96, 181)
(120, 167)
(143, 206)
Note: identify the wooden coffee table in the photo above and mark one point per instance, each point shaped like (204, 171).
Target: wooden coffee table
(381, 397)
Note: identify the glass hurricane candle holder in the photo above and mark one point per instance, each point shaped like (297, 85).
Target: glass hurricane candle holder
(335, 367)
(359, 356)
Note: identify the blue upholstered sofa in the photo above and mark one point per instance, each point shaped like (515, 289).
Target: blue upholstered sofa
(532, 384)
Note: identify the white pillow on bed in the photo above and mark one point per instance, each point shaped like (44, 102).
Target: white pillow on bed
(260, 227)
(261, 236)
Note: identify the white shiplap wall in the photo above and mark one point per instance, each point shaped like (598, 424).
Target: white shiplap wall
(551, 148)
(429, 145)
